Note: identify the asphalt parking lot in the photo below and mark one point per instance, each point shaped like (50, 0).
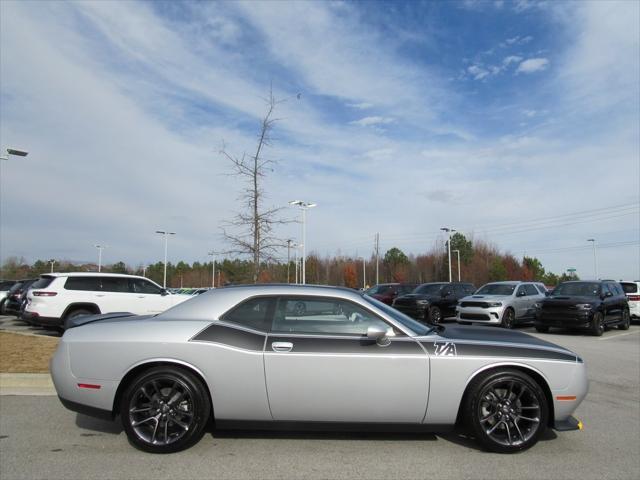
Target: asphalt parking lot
(40, 439)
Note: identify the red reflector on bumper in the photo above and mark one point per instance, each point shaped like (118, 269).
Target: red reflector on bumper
(89, 385)
(44, 294)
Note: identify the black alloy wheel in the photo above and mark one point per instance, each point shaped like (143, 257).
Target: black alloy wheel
(626, 320)
(508, 318)
(165, 410)
(597, 324)
(435, 315)
(507, 410)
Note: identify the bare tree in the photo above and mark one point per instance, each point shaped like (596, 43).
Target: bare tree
(250, 232)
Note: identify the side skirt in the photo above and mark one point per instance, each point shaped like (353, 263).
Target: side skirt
(331, 426)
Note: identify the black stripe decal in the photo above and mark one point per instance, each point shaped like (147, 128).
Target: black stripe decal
(447, 347)
(357, 345)
(233, 337)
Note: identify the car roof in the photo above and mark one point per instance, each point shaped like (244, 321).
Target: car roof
(89, 274)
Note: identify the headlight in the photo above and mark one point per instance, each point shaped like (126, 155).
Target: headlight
(422, 302)
(495, 304)
(584, 306)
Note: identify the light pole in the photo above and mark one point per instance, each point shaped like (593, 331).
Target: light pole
(364, 273)
(595, 258)
(15, 153)
(166, 241)
(52, 261)
(304, 206)
(449, 232)
(213, 269)
(458, 253)
(100, 248)
(144, 271)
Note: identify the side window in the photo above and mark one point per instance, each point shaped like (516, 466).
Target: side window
(530, 289)
(254, 313)
(615, 289)
(541, 288)
(139, 285)
(604, 289)
(115, 284)
(91, 284)
(324, 316)
(521, 291)
(459, 291)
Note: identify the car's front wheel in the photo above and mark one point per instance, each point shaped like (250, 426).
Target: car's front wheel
(507, 410)
(435, 315)
(626, 320)
(597, 324)
(165, 410)
(508, 318)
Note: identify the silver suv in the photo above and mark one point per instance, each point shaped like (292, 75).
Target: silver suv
(501, 303)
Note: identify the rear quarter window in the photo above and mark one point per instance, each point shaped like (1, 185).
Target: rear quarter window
(42, 282)
(629, 287)
(83, 283)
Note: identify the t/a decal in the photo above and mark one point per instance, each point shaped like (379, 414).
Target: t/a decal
(445, 349)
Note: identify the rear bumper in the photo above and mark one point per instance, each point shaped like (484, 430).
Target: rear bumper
(35, 319)
(87, 410)
(568, 424)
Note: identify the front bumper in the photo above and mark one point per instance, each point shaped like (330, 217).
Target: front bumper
(570, 319)
(490, 315)
(418, 312)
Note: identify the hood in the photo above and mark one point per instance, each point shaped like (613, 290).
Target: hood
(483, 341)
(488, 298)
(568, 300)
(418, 296)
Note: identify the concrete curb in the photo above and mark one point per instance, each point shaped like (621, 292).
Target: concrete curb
(26, 384)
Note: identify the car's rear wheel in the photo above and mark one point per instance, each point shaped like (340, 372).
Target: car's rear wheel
(435, 315)
(508, 318)
(597, 324)
(626, 320)
(165, 410)
(507, 410)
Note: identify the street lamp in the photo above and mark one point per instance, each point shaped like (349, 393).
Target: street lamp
(100, 248)
(213, 268)
(364, 273)
(15, 153)
(52, 261)
(304, 206)
(595, 258)
(449, 232)
(166, 237)
(458, 253)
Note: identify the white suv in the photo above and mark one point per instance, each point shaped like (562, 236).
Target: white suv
(57, 297)
(632, 290)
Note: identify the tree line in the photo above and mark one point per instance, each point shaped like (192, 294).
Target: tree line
(480, 262)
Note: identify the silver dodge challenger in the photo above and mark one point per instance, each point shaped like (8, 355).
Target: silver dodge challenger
(251, 357)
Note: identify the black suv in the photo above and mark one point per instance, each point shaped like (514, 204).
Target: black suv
(432, 302)
(16, 296)
(589, 305)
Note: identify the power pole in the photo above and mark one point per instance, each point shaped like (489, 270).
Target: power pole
(377, 257)
(288, 257)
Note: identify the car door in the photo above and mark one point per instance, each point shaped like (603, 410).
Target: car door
(533, 296)
(115, 296)
(148, 296)
(617, 301)
(520, 301)
(448, 301)
(608, 301)
(321, 367)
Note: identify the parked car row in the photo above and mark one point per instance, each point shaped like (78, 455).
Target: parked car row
(588, 305)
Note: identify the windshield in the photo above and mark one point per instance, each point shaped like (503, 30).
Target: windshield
(577, 289)
(400, 317)
(496, 289)
(429, 289)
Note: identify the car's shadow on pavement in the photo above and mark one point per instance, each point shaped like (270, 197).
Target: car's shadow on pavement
(95, 424)
(464, 439)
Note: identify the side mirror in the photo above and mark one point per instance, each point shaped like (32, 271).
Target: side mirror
(546, 294)
(379, 335)
(164, 292)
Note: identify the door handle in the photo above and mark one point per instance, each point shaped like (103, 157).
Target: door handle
(281, 346)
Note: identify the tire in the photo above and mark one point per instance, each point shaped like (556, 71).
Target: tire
(597, 324)
(435, 315)
(2, 306)
(626, 320)
(165, 409)
(541, 328)
(508, 318)
(506, 410)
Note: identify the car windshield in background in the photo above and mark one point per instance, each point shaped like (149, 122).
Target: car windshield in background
(577, 289)
(629, 287)
(428, 289)
(496, 289)
(400, 317)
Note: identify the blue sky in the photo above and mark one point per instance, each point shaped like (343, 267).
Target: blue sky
(514, 122)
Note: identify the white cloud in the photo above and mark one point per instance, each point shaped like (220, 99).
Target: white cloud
(511, 59)
(360, 106)
(372, 121)
(477, 72)
(532, 65)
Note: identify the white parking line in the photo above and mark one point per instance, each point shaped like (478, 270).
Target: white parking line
(619, 335)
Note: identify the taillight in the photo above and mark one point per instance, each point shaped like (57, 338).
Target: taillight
(44, 294)
(634, 298)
